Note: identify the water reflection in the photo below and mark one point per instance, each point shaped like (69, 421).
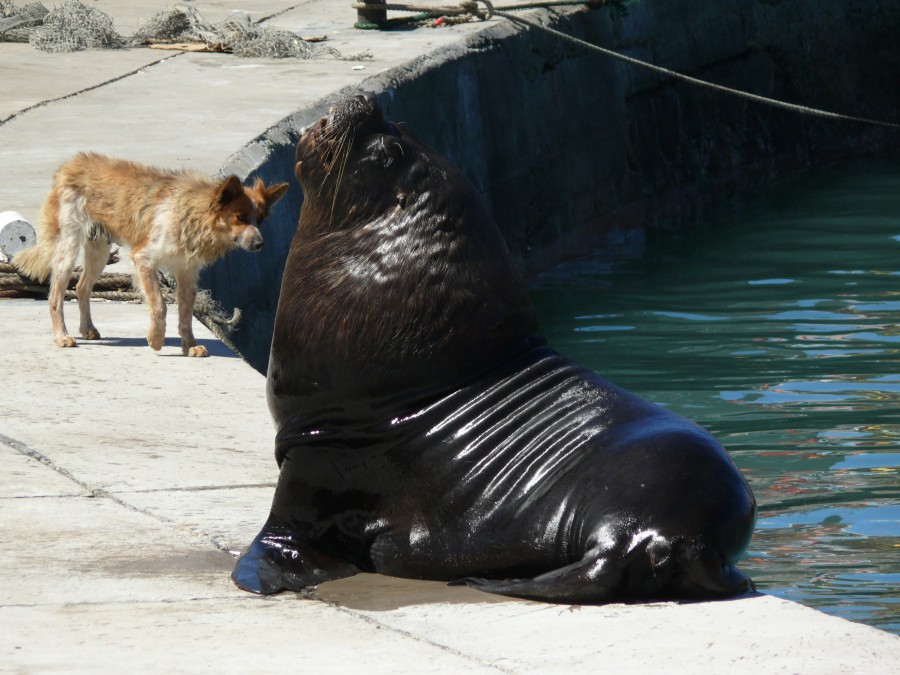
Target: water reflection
(777, 327)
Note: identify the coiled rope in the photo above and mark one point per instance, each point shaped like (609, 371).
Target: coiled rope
(108, 287)
(469, 8)
(120, 287)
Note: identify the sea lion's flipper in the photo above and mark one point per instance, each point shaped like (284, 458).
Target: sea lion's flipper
(279, 560)
(590, 580)
(650, 568)
(707, 576)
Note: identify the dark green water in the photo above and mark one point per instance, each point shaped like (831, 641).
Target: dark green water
(777, 327)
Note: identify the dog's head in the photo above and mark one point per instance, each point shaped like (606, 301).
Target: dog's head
(244, 208)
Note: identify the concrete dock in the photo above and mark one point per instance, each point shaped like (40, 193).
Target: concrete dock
(133, 478)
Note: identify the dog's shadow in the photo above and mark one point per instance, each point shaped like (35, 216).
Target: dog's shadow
(214, 347)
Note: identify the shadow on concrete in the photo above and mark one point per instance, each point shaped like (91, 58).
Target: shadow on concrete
(186, 563)
(214, 347)
(374, 593)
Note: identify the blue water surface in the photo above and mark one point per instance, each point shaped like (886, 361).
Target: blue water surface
(776, 325)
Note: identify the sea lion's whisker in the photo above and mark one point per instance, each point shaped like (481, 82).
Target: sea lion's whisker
(335, 148)
(331, 130)
(337, 185)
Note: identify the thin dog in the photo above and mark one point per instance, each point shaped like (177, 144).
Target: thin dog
(176, 221)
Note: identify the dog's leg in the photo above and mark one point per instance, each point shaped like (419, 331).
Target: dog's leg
(187, 293)
(96, 253)
(149, 281)
(61, 267)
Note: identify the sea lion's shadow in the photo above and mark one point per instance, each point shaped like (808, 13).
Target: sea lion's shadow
(377, 593)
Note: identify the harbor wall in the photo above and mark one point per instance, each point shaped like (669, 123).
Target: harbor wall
(578, 153)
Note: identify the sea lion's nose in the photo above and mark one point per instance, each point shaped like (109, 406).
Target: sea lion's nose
(368, 105)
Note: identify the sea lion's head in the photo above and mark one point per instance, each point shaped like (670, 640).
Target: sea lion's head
(353, 155)
(398, 279)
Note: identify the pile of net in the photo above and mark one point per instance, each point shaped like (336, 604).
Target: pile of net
(17, 24)
(74, 26)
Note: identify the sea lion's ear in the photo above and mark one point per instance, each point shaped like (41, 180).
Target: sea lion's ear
(229, 190)
(298, 170)
(405, 133)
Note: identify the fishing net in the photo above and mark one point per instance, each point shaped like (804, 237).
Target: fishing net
(17, 24)
(252, 40)
(177, 24)
(74, 26)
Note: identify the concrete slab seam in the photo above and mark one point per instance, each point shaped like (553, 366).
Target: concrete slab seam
(23, 449)
(94, 492)
(129, 602)
(275, 15)
(86, 89)
(411, 636)
(199, 488)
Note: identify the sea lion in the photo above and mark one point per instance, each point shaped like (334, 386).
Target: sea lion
(426, 431)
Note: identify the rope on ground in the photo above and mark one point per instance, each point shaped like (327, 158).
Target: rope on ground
(465, 11)
(118, 287)
(110, 286)
(470, 7)
(211, 313)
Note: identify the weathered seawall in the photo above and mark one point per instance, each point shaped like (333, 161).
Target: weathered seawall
(580, 153)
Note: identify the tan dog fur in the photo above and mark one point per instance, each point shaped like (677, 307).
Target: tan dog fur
(176, 221)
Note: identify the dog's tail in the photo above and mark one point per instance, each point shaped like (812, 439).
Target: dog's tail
(35, 262)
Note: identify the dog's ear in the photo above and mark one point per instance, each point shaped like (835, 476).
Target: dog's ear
(269, 195)
(276, 192)
(229, 190)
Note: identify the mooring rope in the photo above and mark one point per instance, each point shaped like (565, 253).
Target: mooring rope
(110, 286)
(119, 287)
(465, 10)
(470, 8)
(805, 110)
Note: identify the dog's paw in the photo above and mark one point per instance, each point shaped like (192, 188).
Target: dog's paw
(90, 333)
(65, 341)
(198, 351)
(156, 341)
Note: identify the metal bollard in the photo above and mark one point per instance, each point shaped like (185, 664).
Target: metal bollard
(377, 17)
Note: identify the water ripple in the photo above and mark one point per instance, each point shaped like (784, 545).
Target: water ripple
(778, 330)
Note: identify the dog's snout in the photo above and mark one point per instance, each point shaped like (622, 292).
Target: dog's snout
(249, 239)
